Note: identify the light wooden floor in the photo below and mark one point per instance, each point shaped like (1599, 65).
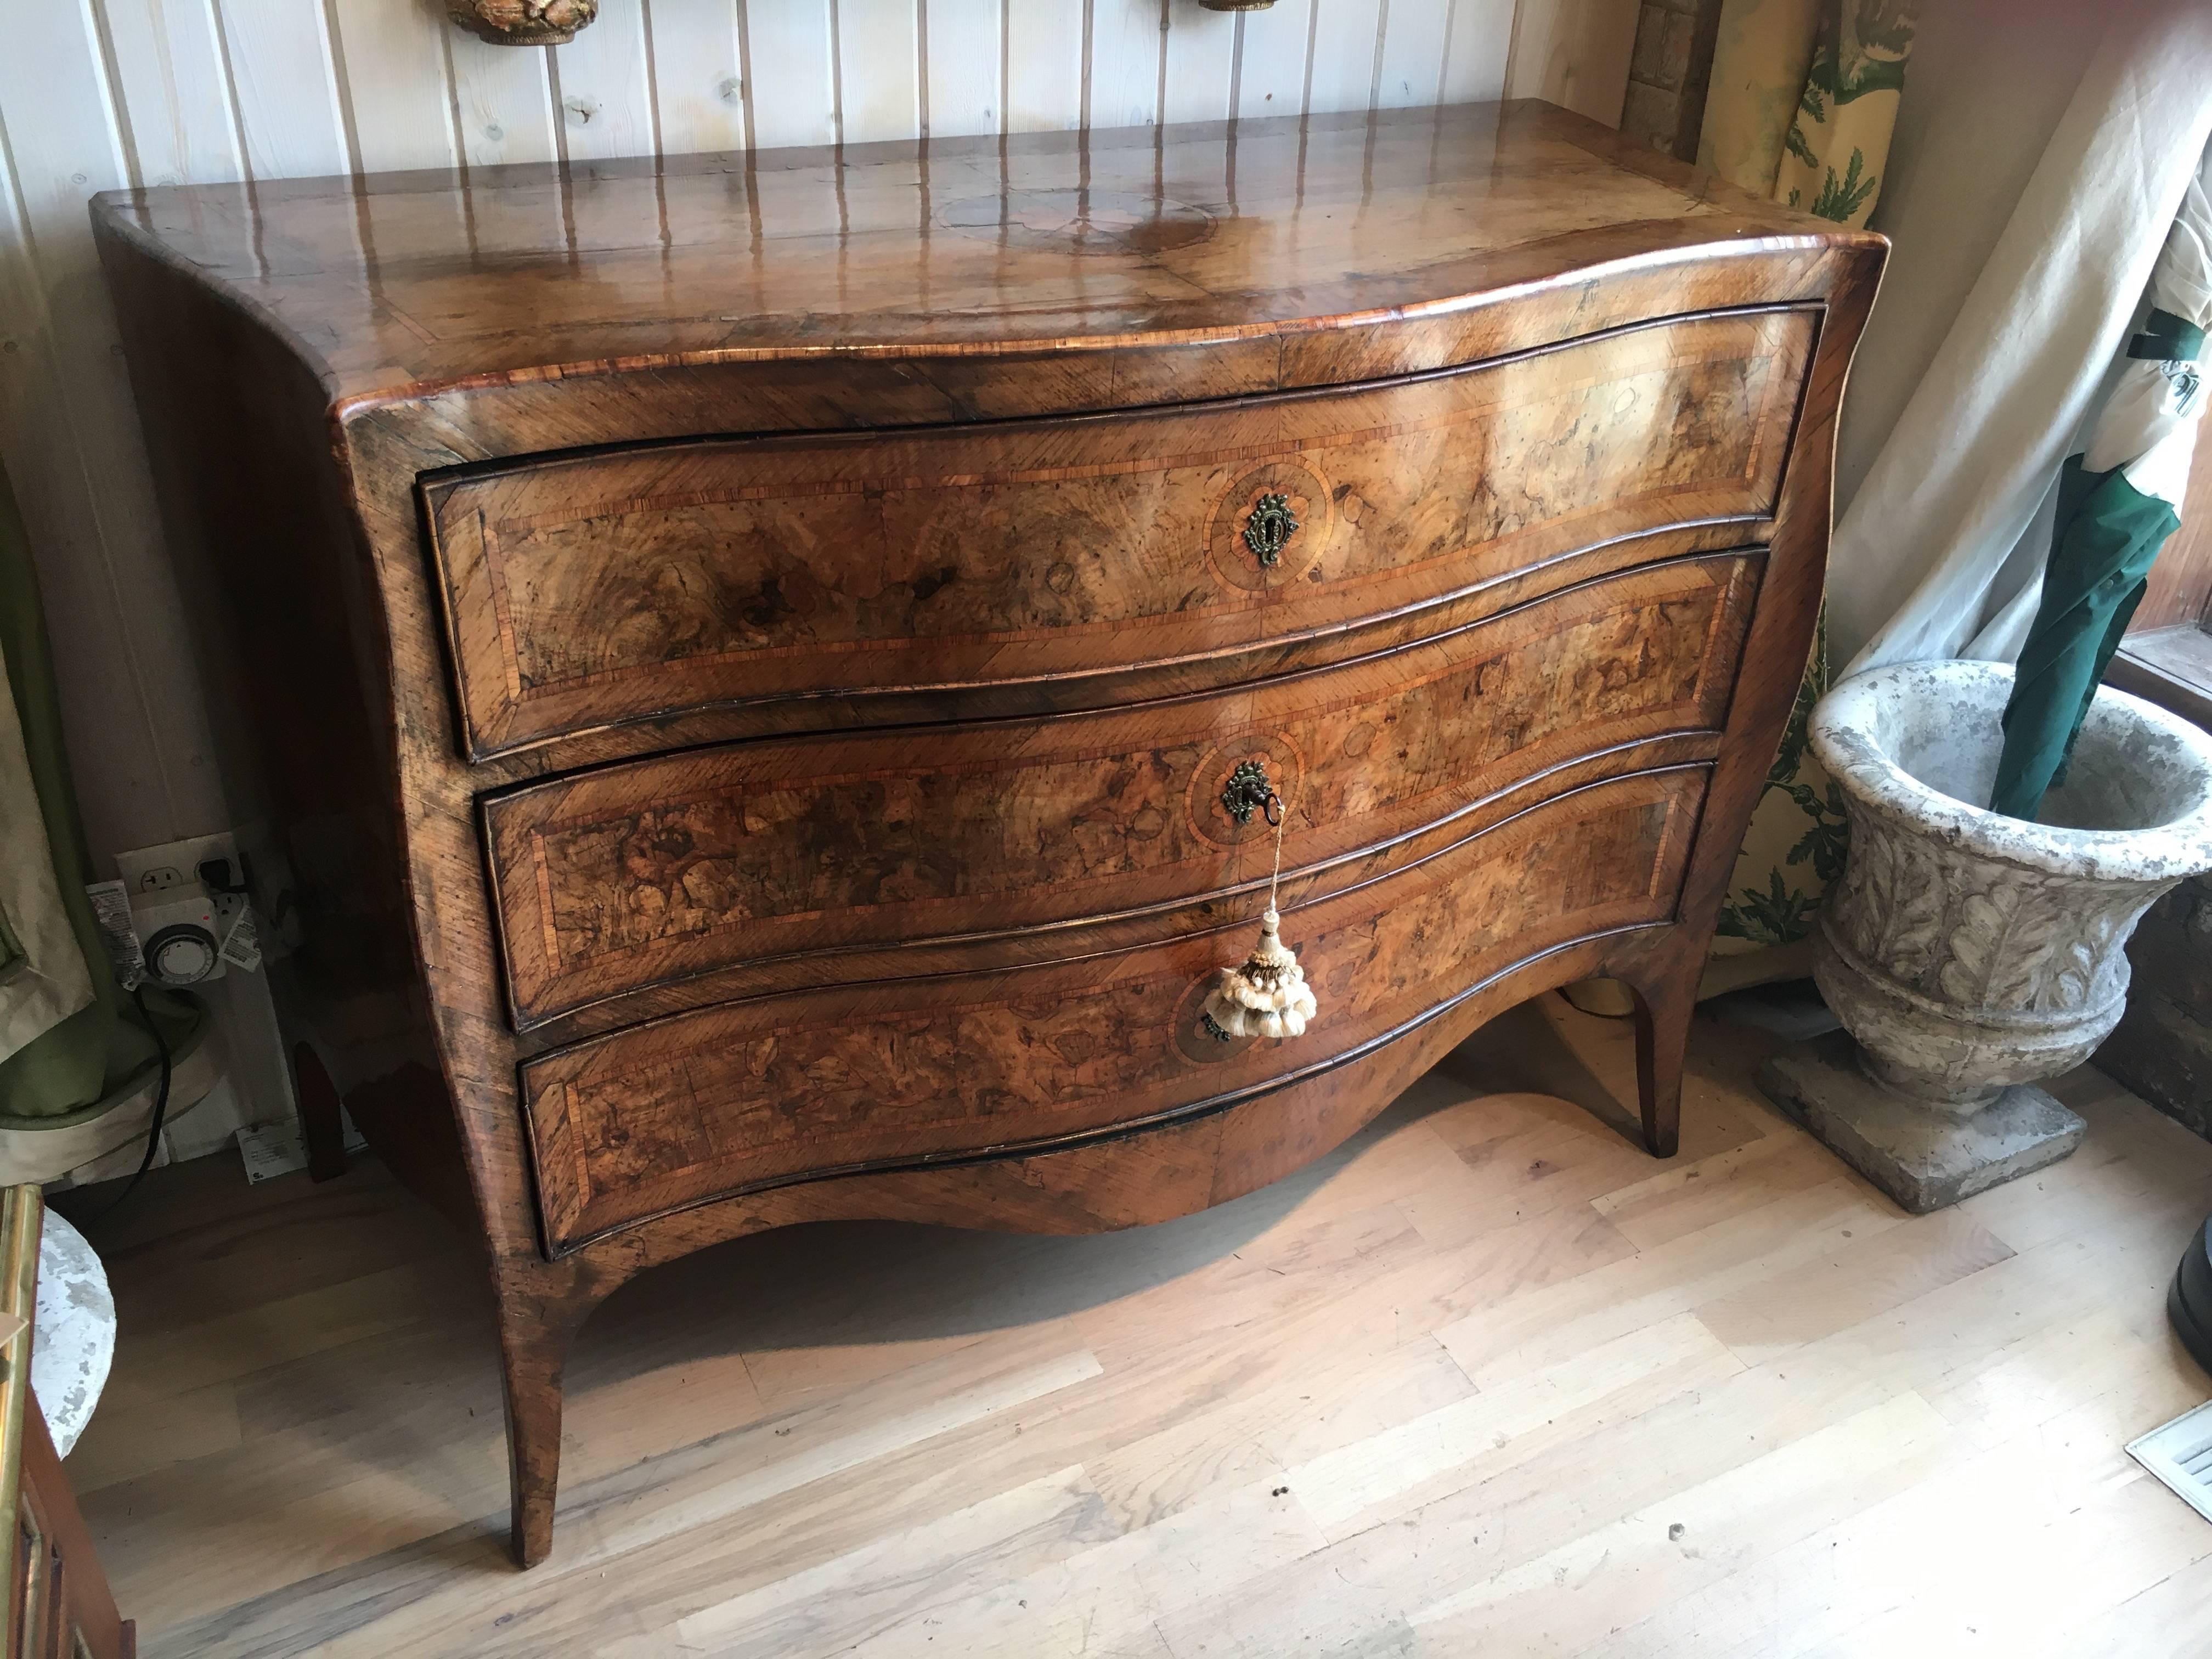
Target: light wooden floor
(1487, 1381)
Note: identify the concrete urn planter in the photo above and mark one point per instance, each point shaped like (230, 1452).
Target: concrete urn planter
(1972, 955)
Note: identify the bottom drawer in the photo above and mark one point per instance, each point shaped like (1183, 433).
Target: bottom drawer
(731, 1099)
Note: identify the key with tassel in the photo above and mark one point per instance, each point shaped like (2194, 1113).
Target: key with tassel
(1266, 994)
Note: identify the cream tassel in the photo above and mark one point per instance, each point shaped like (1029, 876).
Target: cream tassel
(1268, 995)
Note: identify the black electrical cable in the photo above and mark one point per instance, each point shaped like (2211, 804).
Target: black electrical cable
(160, 1106)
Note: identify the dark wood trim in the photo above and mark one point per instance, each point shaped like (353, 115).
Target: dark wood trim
(2147, 666)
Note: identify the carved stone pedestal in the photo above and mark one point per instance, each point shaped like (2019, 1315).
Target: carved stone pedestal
(1923, 1159)
(1970, 953)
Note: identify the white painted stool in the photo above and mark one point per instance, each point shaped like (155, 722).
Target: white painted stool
(73, 1332)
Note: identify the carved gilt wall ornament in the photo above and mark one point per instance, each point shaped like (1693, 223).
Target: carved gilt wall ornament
(523, 22)
(1268, 530)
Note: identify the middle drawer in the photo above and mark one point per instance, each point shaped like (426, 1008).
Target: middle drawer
(682, 866)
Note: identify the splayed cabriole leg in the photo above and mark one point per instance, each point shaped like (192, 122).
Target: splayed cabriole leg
(321, 1126)
(1665, 988)
(534, 1339)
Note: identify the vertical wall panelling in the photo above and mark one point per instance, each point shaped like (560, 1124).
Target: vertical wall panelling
(503, 109)
(1125, 62)
(697, 81)
(1201, 64)
(502, 101)
(964, 37)
(1272, 70)
(284, 87)
(606, 87)
(1347, 34)
(101, 93)
(103, 564)
(1412, 68)
(879, 69)
(1044, 64)
(1479, 51)
(398, 108)
(132, 703)
(167, 60)
(605, 94)
(1575, 53)
(793, 91)
(395, 91)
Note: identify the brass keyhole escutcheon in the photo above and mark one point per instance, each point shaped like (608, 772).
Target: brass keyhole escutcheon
(1269, 527)
(1247, 789)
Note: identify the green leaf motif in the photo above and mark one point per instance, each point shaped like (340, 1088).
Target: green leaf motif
(1778, 915)
(1860, 50)
(1886, 27)
(1774, 917)
(1823, 845)
(1839, 198)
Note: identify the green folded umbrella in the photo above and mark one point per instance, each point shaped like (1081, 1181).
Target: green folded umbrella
(2107, 534)
(2118, 503)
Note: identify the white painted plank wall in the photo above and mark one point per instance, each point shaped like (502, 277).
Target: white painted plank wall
(95, 93)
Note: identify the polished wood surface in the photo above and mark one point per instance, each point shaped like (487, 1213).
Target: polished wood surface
(1224, 235)
(718, 645)
(1450, 1389)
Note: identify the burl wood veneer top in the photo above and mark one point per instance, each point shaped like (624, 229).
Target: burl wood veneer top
(400, 283)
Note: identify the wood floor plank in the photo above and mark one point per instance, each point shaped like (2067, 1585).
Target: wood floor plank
(1555, 1321)
(1340, 1398)
(1348, 1486)
(2001, 1553)
(1761, 1319)
(1446, 1391)
(910, 1579)
(1689, 1196)
(1561, 1601)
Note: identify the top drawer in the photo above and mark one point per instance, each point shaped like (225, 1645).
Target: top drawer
(598, 590)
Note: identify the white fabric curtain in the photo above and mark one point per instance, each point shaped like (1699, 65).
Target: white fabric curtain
(43, 976)
(1939, 551)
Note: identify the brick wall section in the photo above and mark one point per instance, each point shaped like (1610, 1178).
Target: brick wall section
(2162, 1048)
(1668, 74)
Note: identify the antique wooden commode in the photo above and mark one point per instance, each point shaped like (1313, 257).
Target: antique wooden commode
(740, 663)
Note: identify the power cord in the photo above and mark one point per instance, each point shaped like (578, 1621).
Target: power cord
(160, 1106)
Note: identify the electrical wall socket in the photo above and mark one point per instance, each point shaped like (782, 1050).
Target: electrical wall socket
(155, 869)
(189, 922)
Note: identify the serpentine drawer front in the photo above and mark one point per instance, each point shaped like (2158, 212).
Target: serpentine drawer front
(670, 868)
(606, 589)
(770, 679)
(684, 1110)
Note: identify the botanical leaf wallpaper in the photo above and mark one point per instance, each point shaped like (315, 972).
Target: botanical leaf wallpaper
(1803, 99)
